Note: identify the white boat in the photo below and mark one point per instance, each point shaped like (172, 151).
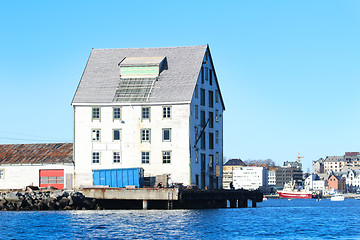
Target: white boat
(337, 197)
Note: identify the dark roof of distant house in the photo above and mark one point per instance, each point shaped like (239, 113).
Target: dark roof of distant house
(36, 153)
(176, 82)
(235, 162)
(352, 154)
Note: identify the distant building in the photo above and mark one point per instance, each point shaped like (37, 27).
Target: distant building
(41, 165)
(228, 168)
(292, 164)
(250, 178)
(288, 174)
(352, 160)
(272, 176)
(336, 183)
(318, 166)
(334, 163)
(313, 182)
(353, 181)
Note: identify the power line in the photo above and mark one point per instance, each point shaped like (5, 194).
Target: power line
(42, 138)
(35, 140)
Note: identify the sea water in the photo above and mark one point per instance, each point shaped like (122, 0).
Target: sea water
(272, 219)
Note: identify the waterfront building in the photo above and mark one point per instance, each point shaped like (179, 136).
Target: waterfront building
(288, 174)
(250, 178)
(228, 169)
(353, 181)
(40, 165)
(272, 176)
(159, 109)
(336, 183)
(313, 182)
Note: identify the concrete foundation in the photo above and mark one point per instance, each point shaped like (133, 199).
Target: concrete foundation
(171, 198)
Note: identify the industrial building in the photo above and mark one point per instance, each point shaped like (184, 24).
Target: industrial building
(159, 109)
(40, 165)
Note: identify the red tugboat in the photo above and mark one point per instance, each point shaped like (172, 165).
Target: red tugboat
(290, 191)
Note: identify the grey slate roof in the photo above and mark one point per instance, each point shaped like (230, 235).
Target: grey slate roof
(176, 82)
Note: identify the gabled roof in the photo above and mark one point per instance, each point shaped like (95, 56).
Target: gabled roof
(36, 153)
(176, 82)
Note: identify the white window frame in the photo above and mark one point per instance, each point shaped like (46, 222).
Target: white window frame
(93, 113)
(116, 157)
(163, 134)
(95, 157)
(145, 135)
(166, 157)
(94, 135)
(166, 112)
(145, 157)
(115, 113)
(145, 115)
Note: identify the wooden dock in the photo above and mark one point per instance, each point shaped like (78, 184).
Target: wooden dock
(171, 198)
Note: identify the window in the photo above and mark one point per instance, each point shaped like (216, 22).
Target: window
(166, 133)
(196, 133)
(216, 96)
(166, 112)
(196, 156)
(210, 77)
(116, 134)
(217, 158)
(95, 157)
(59, 180)
(216, 115)
(166, 156)
(96, 113)
(43, 180)
(211, 119)
(211, 140)
(145, 113)
(196, 111)
(116, 157)
(203, 141)
(202, 75)
(52, 180)
(211, 99)
(145, 157)
(217, 137)
(202, 118)
(202, 97)
(206, 74)
(116, 113)
(211, 162)
(196, 91)
(96, 135)
(2, 173)
(145, 135)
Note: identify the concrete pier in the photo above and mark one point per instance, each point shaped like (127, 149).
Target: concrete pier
(172, 198)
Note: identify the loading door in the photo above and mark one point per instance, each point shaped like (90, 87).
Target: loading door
(52, 177)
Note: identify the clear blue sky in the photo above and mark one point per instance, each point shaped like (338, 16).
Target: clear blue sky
(289, 70)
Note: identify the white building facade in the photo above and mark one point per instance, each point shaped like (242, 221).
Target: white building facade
(250, 178)
(40, 165)
(159, 109)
